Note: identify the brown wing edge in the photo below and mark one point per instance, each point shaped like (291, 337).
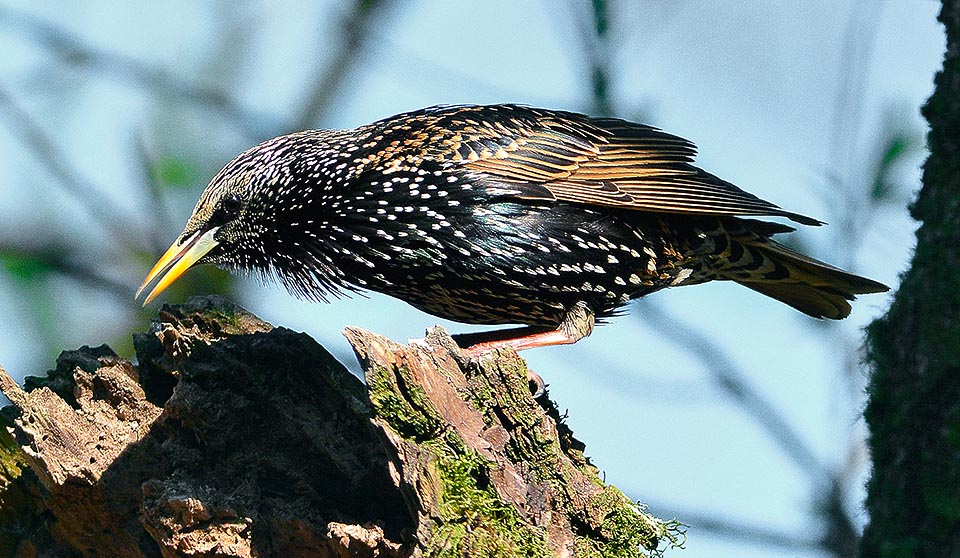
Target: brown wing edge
(604, 162)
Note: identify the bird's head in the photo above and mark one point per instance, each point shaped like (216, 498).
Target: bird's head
(250, 214)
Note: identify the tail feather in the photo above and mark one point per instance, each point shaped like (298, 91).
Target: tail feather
(813, 287)
(812, 301)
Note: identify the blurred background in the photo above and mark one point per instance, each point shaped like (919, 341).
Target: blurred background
(714, 405)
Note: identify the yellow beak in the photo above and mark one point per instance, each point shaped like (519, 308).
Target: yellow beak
(178, 258)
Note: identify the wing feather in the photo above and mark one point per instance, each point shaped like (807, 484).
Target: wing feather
(570, 157)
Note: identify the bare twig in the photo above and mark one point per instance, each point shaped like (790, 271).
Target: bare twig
(58, 259)
(733, 382)
(161, 217)
(72, 50)
(98, 204)
(738, 530)
(849, 193)
(328, 79)
(594, 36)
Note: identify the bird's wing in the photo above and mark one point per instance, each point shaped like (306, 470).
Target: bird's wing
(601, 161)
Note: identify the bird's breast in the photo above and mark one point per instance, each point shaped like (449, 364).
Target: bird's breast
(467, 256)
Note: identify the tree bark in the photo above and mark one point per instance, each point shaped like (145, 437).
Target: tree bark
(234, 438)
(914, 406)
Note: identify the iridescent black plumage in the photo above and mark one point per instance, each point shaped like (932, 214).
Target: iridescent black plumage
(501, 214)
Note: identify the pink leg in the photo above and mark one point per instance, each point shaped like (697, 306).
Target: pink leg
(541, 339)
(577, 324)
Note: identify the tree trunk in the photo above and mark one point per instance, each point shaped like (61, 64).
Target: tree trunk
(234, 438)
(914, 407)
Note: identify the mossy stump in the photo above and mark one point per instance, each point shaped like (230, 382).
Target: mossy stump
(234, 438)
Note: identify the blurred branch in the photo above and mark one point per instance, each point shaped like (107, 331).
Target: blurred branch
(54, 259)
(733, 382)
(100, 206)
(90, 277)
(595, 37)
(72, 50)
(738, 530)
(161, 217)
(845, 146)
(328, 79)
(841, 536)
(855, 197)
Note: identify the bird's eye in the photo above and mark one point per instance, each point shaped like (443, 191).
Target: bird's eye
(231, 204)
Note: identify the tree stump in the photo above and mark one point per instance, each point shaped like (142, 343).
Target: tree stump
(232, 438)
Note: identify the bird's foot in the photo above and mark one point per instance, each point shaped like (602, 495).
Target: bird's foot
(536, 383)
(577, 324)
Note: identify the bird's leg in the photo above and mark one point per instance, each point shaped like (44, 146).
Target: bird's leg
(577, 323)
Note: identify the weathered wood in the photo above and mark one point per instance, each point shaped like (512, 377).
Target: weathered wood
(234, 438)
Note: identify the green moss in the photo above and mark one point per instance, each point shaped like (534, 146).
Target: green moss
(625, 529)
(230, 322)
(19, 516)
(402, 404)
(11, 459)
(907, 547)
(622, 525)
(529, 446)
(474, 521)
(913, 496)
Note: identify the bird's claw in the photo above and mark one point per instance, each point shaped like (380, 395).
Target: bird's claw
(536, 383)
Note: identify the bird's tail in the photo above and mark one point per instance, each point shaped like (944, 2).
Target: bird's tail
(813, 287)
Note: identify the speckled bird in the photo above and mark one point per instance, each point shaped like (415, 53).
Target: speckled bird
(500, 214)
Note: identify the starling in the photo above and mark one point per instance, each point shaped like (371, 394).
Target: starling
(500, 214)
